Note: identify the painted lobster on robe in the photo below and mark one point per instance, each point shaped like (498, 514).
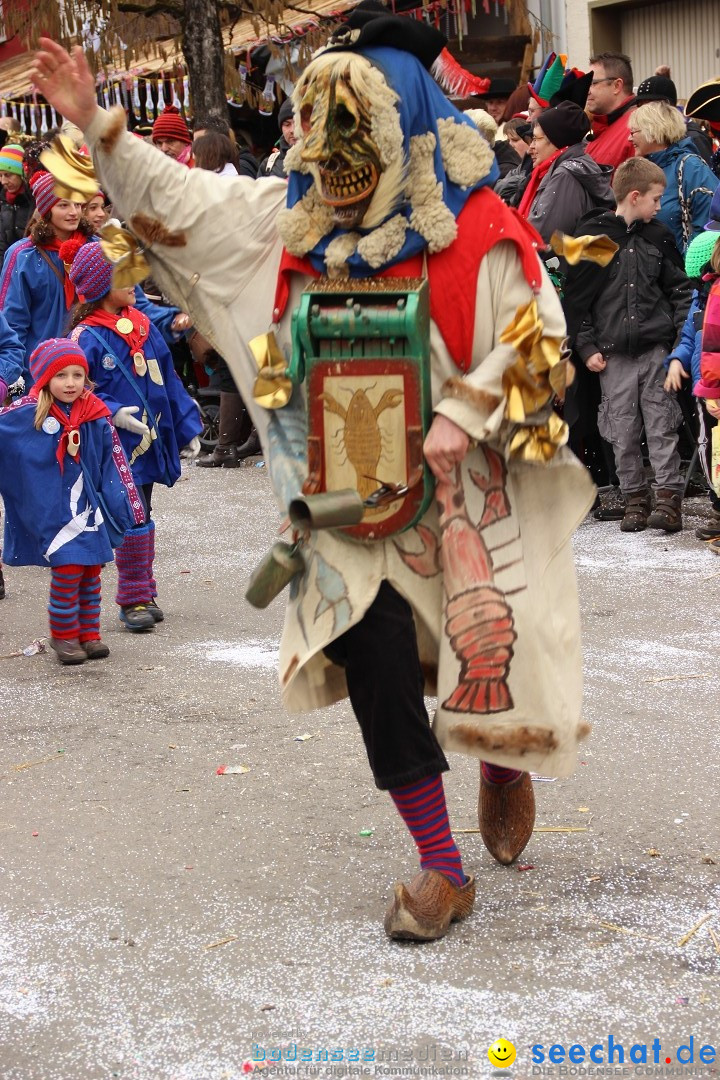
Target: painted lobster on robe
(401, 345)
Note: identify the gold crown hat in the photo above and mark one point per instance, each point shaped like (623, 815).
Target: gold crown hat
(73, 173)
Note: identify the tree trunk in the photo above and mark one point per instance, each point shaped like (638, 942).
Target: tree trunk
(202, 47)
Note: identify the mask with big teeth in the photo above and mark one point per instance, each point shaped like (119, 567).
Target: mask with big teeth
(338, 148)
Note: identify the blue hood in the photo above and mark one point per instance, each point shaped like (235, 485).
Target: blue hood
(422, 103)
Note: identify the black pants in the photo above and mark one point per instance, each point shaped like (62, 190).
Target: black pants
(385, 682)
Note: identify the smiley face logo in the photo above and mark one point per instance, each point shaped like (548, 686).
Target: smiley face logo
(501, 1053)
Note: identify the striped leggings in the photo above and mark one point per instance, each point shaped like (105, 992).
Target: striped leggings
(74, 608)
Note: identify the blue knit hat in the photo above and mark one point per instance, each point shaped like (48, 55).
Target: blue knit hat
(52, 356)
(91, 273)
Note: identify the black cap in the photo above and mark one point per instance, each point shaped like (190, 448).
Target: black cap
(657, 88)
(564, 125)
(370, 23)
(499, 88)
(286, 112)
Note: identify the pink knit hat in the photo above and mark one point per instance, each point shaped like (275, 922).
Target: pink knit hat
(90, 272)
(52, 356)
(43, 189)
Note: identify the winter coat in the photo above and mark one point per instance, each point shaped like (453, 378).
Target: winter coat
(511, 187)
(572, 187)
(32, 297)
(274, 163)
(691, 183)
(639, 300)
(51, 520)
(688, 350)
(153, 461)
(228, 279)
(611, 144)
(506, 157)
(14, 217)
(11, 354)
(702, 141)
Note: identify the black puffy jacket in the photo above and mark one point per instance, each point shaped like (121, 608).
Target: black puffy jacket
(14, 218)
(639, 300)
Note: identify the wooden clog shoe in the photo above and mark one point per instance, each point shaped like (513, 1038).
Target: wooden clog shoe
(424, 909)
(506, 816)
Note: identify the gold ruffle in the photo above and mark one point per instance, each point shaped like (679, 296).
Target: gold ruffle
(74, 173)
(540, 444)
(272, 388)
(540, 371)
(122, 250)
(597, 249)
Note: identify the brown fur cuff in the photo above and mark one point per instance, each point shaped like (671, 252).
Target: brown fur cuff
(151, 231)
(117, 123)
(461, 390)
(506, 739)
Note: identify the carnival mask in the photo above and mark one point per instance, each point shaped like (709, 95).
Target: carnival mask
(338, 147)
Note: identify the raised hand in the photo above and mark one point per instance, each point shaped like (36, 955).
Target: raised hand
(65, 81)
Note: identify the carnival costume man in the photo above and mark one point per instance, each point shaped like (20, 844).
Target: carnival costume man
(474, 601)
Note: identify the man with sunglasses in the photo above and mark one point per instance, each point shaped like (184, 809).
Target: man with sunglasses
(610, 103)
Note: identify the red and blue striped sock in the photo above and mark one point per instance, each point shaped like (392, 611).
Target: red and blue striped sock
(496, 774)
(423, 809)
(89, 604)
(63, 606)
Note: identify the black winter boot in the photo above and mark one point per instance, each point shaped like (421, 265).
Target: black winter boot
(667, 514)
(250, 447)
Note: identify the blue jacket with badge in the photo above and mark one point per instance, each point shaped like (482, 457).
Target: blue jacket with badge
(163, 402)
(51, 518)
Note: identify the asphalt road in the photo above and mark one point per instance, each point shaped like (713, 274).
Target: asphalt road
(161, 922)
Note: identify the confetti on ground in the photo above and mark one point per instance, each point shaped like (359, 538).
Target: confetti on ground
(677, 678)
(232, 770)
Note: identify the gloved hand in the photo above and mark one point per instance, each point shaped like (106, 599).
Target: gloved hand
(191, 451)
(125, 418)
(3, 392)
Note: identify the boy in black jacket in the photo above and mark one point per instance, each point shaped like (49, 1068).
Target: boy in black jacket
(631, 314)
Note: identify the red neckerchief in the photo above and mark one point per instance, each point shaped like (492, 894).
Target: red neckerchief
(70, 294)
(484, 221)
(536, 176)
(85, 408)
(135, 339)
(11, 196)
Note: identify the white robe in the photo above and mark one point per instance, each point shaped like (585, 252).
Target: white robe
(224, 274)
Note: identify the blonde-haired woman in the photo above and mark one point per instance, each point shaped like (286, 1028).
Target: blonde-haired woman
(658, 132)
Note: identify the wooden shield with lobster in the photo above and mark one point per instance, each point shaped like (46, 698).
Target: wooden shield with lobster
(364, 347)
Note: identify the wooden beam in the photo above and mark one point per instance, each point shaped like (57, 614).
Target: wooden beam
(487, 50)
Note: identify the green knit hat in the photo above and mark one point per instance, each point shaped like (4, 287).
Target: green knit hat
(11, 159)
(699, 252)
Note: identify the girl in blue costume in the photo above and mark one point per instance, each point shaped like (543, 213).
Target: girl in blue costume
(133, 370)
(70, 480)
(36, 296)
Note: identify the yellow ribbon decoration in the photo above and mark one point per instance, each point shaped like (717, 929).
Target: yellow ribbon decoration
(74, 173)
(272, 388)
(120, 248)
(597, 249)
(540, 370)
(540, 444)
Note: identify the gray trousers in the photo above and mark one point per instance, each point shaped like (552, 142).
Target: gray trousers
(633, 395)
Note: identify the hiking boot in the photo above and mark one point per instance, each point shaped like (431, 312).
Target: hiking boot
(637, 508)
(711, 531)
(667, 514)
(95, 649)
(610, 508)
(137, 617)
(69, 650)
(157, 613)
(222, 457)
(250, 447)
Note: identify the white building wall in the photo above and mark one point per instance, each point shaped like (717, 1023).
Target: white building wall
(577, 22)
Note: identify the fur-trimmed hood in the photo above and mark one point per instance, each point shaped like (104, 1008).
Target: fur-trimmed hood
(434, 154)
